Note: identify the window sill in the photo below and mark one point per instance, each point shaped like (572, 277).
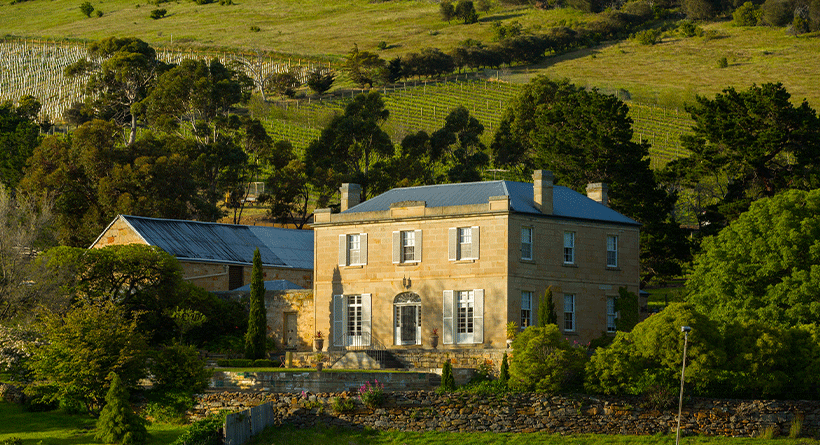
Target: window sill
(464, 261)
(354, 266)
(614, 269)
(571, 333)
(569, 265)
(527, 261)
(408, 263)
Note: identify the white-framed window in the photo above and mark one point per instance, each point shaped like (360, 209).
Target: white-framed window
(612, 251)
(526, 243)
(464, 243)
(353, 249)
(610, 314)
(569, 247)
(351, 320)
(526, 309)
(463, 319)
(569, 312)
(407, 246)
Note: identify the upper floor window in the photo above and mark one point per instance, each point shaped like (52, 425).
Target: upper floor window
(353, 249)
(526, 243)
(569, 247)
(526, 309)
(407, 246)
(569, 312)
(610, 314)
(464, 243)
(612, 251)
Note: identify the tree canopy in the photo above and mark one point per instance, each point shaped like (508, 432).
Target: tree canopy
(19, 134)
(765, 265)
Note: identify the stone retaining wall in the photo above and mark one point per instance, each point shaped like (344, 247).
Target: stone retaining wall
(429, 411)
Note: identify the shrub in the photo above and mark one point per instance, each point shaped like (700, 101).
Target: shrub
(689, 29)
(168, 406)
(777, 12)
(264, 363)
(544, 362)
(504, 374)
(179, 367)
(207, 431)
(12, 441)
(158, 13)
(341, 405)
(87, 8)
(648, 36)
(235, 363)
(372, 394)
(255, 28)
(747, 14)
(98, 13)
(320, 80)
(447, 10)
(382, 45)
(723, 62)
(448, 381)
(118, 423)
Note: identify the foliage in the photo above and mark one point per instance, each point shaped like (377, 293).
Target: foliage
(234, 363)
(364, 67)
(168, 406)
(504, 374)
(448, 381)
(650, 355)
(546, 309)
(372, 394)
(158, 13)
(284, 84)
(82, 347)
(319, 81)
(747, 14)
(17, 343)
(19, 134)
(586, 137)
(459, 146)
(341, 405)
(207, 431)
(465, 11)
(179, 367)
(187, 319)
(25, 226)
(648, 36)
(763, 266)
(257, 319)
(118, 423)
(351, 144)
(777, 12)
(512, 330)
(757, 140)
(447, 10)
(543, 362)
(87, 8)
(628, 309)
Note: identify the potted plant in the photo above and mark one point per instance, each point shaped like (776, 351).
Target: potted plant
(318, 341)
(319, 360)
(512, 331)
(434, 338)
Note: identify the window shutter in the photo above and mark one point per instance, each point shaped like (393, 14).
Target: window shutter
(338, 319)
(343, 250)
(366, 319)
(396, 247)
(453, 243)
(476, 242)
(418, 245)
(363, 248)
(447, 310)
(478, 316)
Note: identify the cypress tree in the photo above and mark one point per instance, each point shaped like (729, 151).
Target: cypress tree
(256, 336)
(118, 423)
(546, 309)
(504, 375)
(448, 382)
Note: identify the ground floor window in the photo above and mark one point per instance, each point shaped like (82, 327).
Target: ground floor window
(569, 312)
(351, 320)
(610, 314)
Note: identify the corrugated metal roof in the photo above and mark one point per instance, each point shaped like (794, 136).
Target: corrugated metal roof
(567, 203)
(271, 285)
(227, 243)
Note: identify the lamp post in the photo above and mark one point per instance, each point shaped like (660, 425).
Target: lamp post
(685, 330)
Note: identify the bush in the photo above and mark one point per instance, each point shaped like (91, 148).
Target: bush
(178, 367)
(12, 441)
(448, 381)
(98, 13)
(207, 431)
(168, 406)
(689, 29)
(723, 62)
(504, 375)
(320, 80)
(118, 423)
(372, 394)
(341, 405)
(235, 363)
(748, 14)
(87, 8)
(264, 363)
(777, 12)
(255, 28)
(543, 362)
(158, 13)
(648, 36)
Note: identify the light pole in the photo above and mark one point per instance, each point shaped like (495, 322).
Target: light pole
(685, 330)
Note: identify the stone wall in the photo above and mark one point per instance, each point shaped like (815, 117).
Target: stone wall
(311, 381)
(429, 411)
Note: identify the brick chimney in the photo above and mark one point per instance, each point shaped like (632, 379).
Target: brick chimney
(542, 190)
(351, 195)
(598, 192)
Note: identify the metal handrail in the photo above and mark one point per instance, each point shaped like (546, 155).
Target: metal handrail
(365, 342)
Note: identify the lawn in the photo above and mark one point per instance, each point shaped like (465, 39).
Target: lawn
(57, 428)
(333, 436)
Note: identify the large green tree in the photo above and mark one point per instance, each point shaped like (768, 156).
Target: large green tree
(353, 142)
(752, 144)
(459, 146)
(364, 67)
(763, 266)
(586, 137)
(257, 335)
(19, 134)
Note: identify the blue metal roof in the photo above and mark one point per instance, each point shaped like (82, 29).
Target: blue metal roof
(271, 285)
(226, 243)
(567, 203)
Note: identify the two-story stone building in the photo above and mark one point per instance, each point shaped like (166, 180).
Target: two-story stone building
(465, 259)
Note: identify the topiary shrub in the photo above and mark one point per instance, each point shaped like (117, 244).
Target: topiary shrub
(118, 423)
(448, 381)
(504, 374)
(544, 362)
